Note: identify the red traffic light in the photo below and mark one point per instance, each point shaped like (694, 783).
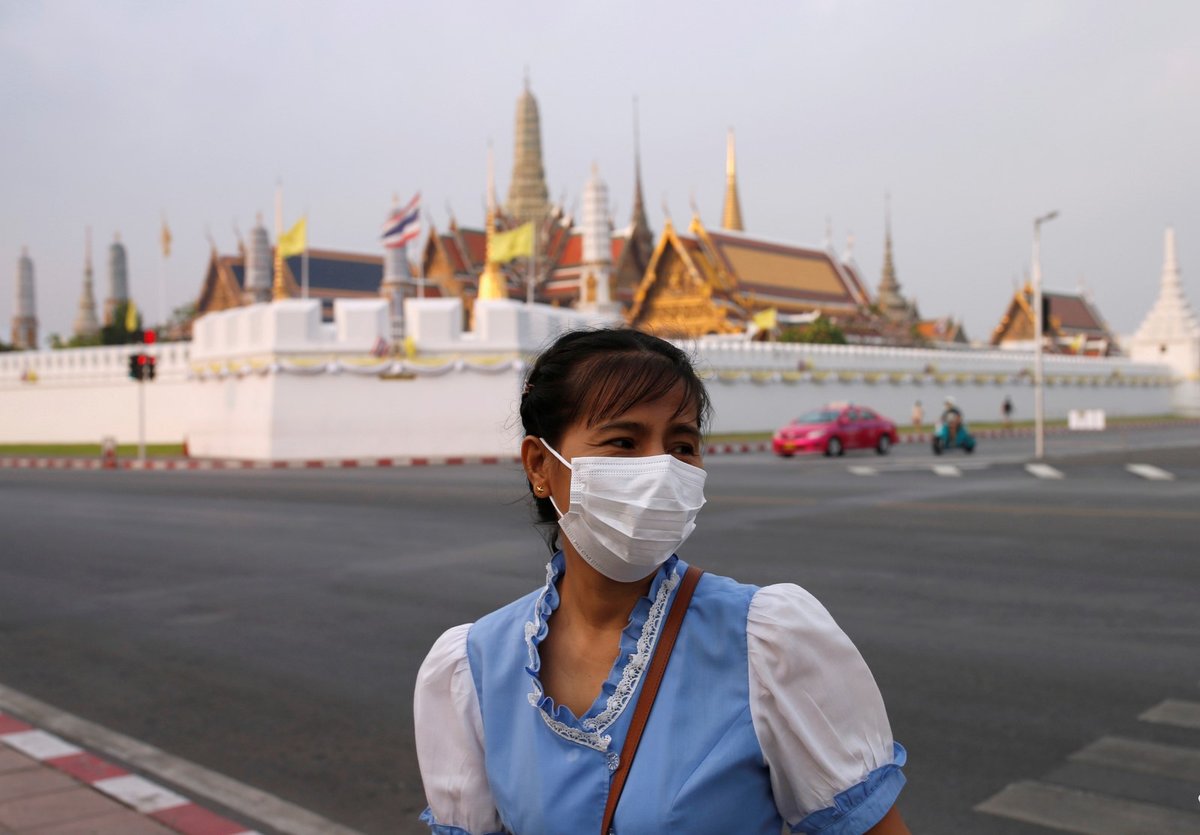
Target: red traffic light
(149, 337)
(142, 358)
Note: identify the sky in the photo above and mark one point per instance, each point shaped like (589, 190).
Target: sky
(976, 118)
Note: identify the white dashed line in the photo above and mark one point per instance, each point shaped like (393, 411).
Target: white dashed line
(863, 470)
(1043, 471)
(947, 470)
(1173, 761)
(1175, 712)
(1150, 472)
(1072, 810)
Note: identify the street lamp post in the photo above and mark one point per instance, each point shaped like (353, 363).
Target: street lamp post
(1039, 391)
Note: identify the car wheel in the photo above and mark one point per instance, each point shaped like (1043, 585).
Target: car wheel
(785, 454)
(884, 446)
(834, 447)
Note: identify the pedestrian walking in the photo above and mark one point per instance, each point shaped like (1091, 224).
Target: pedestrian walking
(918, 416)
(1006, 409)
(529, 720)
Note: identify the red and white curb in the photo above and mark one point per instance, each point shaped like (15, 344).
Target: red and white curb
(136, 792)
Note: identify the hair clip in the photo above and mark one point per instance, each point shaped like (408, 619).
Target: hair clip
(528, 388)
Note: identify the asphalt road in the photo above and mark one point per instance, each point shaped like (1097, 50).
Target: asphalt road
(269, 624)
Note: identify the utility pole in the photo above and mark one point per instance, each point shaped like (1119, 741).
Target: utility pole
(1039, 327)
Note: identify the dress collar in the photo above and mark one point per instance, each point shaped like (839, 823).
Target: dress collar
(637, 645)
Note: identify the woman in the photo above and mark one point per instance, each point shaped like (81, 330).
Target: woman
(766, 713)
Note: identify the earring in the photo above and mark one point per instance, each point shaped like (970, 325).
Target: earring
(541, 488)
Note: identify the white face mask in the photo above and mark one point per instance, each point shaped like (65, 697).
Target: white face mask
(629, 515)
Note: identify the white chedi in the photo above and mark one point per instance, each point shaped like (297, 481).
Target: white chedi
(1170, 333)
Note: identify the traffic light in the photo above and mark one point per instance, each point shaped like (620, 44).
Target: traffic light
(149, 337)
(141, 367)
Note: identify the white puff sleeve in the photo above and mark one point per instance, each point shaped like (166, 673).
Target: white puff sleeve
(819, 717)
(449, 736)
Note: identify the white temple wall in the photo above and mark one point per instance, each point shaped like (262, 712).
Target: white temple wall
(271, 382)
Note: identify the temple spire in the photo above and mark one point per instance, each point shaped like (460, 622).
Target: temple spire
(528, 196)
(731, 216)
(86, 323)
(639, 221)
(891, 302)
(24, 322)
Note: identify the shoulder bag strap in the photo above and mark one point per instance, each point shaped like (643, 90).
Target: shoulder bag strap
(654, 675)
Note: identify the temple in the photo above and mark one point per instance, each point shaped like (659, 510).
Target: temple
(1073, 325)
(236, 280)
(714, 281)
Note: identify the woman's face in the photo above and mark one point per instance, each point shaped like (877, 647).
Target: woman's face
(652, 428)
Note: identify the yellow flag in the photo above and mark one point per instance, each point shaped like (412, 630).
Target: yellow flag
(131, 317)
(506, 246)
(767, 320)
(166, 239)
(295, 240)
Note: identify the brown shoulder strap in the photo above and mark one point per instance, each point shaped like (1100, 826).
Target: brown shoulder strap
(654, 675)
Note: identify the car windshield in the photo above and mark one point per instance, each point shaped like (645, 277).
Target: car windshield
(818, 416)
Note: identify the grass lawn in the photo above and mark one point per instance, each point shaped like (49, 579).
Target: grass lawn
(88, 450)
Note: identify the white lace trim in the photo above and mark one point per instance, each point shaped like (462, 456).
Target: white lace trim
(593, 733)
(636, 665)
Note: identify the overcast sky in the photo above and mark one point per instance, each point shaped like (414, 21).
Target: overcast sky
(976, 116)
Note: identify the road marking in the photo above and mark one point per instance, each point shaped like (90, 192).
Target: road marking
(1071, 810)
(947, 470)
(140, 793)
(237, 797)
(859, 469)
(1042, 510)
(1043, 471)
(1172, 761)
(1175, 712)
(1150, 472)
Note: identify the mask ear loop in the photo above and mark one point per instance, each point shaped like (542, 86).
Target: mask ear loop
(565, 463)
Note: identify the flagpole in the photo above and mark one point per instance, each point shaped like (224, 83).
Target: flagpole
(304, 260)
(532, 267)
(421, 276)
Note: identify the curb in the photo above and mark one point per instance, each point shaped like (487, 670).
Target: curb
(139, 794)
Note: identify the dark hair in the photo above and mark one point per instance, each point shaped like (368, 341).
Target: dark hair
(601, 374)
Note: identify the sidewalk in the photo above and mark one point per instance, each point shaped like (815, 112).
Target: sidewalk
(51, 787)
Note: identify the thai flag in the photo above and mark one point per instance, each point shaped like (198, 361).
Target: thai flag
(404, 224)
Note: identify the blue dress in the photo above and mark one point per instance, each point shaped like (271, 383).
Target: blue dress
(766, 715)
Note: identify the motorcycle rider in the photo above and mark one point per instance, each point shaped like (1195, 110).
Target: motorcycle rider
(952, 418)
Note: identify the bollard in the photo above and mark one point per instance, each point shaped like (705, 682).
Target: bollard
(108, 453)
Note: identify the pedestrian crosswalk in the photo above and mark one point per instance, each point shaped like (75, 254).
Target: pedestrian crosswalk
(1038, 470)
(1116, 785)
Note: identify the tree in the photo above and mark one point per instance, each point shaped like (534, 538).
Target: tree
(822, 331)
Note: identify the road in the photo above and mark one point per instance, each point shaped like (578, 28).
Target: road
(269, 624)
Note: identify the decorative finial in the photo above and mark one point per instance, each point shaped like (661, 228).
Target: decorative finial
(87, 244)
(491, 182)
(526, 78)
(828, 232)
(695, 207)
(666, 207)
(1170, 259)
(730, 155)
(117, 237)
